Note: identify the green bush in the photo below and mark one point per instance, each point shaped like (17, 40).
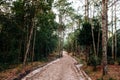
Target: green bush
(118, 60)
(110, 60)
(94, 61)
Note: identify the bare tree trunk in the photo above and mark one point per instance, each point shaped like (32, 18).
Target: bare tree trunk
(115, 35)
(87, 5)
(34, 43)
(28, 46)
(98, 43)
(76, 47)
(60, 33)
(94, 47)
(59, 43)
(86, 9)
(93, 40)
(112, 33)
(63, 42)
(104, 36)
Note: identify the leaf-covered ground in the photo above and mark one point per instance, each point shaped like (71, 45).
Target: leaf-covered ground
(113, 72)
(18, 71)
(11, 73)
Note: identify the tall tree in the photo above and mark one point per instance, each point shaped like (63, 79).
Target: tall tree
(115, 19)
(86, 9)
(104, 35)
(92, 26)
(30, 32)
(112, 32)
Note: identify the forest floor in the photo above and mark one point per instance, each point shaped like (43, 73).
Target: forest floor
(65, 68)
(61, 69)
(17, 71)
(113, 72)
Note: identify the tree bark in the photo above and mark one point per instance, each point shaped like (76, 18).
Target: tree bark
(60, 33)
(34, 43)
(112, 33)
(92, 26)
(86, 9)
(98, 43)
(115, 34)
(87, 5)
(28, 46)
(30, 35)
(104, 36)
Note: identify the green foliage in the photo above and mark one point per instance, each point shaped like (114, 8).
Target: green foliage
(46, 40)
(118, 60)
(71, 41)
(85, 36)
(94, 61)
(110, 60)
(118, 43)
(15, 28)
(109, 51)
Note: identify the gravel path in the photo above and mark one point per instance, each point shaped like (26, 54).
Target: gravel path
(61, 69)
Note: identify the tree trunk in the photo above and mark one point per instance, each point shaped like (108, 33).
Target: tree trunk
(60, 33)
(34, 43)
(98, 43)
(86, 9)
(59, 43)
(87, 5)
(115, 35)
(87, 52)
(63, 42)
(28, 45)
(35, 29)
(93, 40)
(112, 33)
(104, 36)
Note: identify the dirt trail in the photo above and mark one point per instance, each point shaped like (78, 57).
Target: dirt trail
(61, 69)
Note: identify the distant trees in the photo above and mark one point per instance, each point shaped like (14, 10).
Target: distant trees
(111, 58)
(83, 35)
(64, 11)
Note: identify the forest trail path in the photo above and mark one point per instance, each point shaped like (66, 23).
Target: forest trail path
(61, 69)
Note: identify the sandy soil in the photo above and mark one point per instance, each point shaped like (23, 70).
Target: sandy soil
(60, 69)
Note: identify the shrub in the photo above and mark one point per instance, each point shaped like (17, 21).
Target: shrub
(118, 60)
(110, 60)
(94, 61)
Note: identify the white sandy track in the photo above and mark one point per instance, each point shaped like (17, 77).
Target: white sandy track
(60, 69)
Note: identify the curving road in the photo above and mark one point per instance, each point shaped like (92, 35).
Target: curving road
(60, 69)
